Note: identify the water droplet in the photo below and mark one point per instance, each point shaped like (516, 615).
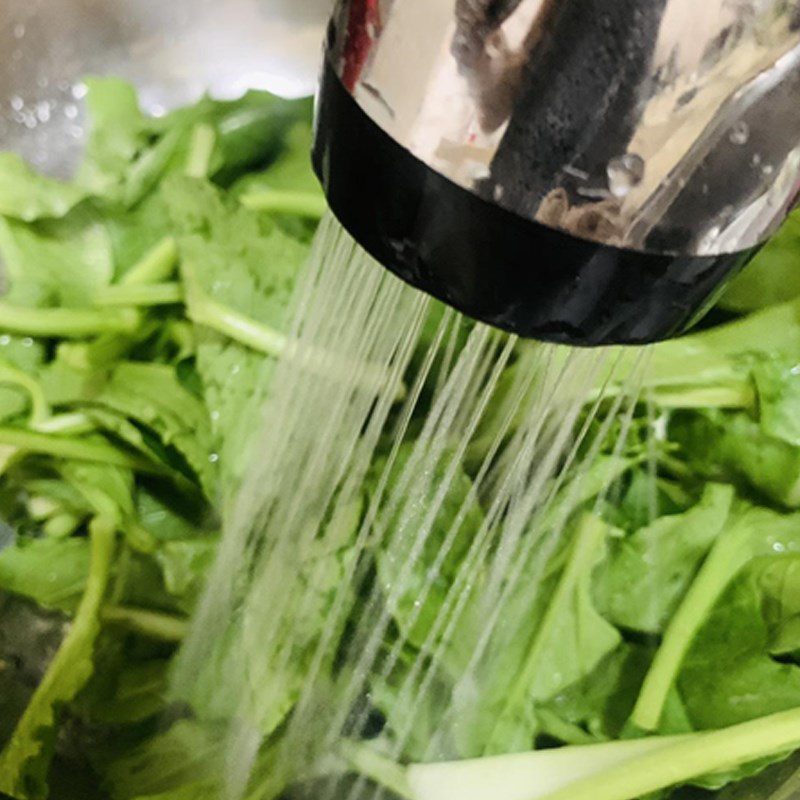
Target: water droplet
(710, 239)
(43, 111)
(17, 103)
(779, 548)
(5, 340)
(236, 369)
(27, 342)
(768, 169)
(575, 172)
(215, 415)
(499, 191)
(740, 133)
(213, 458)
(79, 91)
(481, 172)
(71, 111)
(625, 173)
(756, 162)
(19, 30)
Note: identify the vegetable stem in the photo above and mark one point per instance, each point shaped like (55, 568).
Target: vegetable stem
(11, 376)
(243, 329)
(311, 205)
(719, 568)
(70, 668)
(201, 151)
(382, 770)
(154, 294)
(74, 423)
(697, 755)
(102, 351)
(62, 525)
(74, 448)
(42, 508)
(69, 323)
(157, 265)
(733, 396)
(7, 457)
(139, 538)
(152, 624)
(204, 310)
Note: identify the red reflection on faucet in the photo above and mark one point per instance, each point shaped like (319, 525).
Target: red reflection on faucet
(363, 28)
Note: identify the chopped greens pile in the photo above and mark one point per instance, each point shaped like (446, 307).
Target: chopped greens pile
(145, 303)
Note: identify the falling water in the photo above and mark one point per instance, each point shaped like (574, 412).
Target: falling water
(414, 479)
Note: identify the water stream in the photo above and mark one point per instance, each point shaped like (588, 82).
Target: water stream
(414, 479)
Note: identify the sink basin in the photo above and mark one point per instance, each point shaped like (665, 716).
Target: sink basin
(173, 51)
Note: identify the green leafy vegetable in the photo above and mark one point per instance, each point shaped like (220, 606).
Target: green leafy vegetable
(649, 634)
(23, 763)
(751, 532)
(647, 574)
(117, 414)
(186, 754)
(743, 632)
(572, 634)
(773, 276)
(48, 571)
(28, 196)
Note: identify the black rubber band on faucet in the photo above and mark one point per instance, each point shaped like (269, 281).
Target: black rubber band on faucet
(489, 263)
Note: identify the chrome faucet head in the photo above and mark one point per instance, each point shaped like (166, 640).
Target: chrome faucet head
(587, 171)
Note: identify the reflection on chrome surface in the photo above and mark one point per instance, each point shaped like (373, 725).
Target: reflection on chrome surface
(665, 125)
